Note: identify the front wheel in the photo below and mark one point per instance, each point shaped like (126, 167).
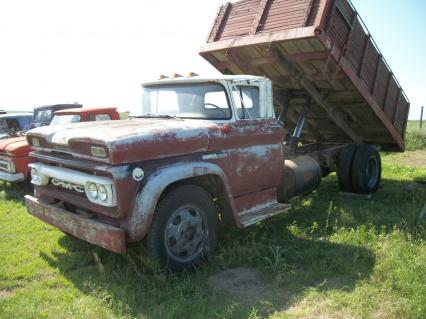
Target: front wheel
(183, 229)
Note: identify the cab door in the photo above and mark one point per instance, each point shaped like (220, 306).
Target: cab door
(254, 142)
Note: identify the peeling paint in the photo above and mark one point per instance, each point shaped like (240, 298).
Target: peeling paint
(137, 223)
(103, 235)
(247, 158)
(132, 140)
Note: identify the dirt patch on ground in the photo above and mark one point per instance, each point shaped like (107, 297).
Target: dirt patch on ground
(6, 293)
(247, 286)
(409, 158)
(245, 283)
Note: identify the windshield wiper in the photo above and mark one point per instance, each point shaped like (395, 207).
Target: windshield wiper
(163, 116)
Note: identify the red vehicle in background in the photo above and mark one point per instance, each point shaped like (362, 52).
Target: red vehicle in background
(14, 152)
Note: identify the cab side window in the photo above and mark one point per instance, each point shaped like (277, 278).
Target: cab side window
(247, 102)
(99, 117)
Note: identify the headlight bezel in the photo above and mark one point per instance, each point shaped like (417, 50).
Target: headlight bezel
(98, 151)
(109, 197)
(37, 178)
(35, 141)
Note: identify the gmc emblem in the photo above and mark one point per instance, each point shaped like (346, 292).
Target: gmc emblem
(68, 186)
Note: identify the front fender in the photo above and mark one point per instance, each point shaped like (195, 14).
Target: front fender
(137, 225)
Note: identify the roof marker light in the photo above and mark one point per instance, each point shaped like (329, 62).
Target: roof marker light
(176, 75)
(192, 74)
(162, 77)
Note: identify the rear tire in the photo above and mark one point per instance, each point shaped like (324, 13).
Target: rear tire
(344, 168)
(183, 228)
(366, 170)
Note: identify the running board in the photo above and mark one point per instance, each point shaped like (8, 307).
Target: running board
(256, 215)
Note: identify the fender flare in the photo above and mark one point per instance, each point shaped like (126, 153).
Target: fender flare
(139, 221)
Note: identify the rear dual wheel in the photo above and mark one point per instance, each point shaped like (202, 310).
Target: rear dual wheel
(359, 169)
(344, 168)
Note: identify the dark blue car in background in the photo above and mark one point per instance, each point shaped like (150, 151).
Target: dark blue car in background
(12, 123)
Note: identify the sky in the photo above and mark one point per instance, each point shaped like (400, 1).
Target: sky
(98, 52)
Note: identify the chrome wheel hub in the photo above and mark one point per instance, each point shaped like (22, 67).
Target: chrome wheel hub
(185, 234)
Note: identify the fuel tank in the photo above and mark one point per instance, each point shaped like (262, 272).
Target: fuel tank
(301, 176)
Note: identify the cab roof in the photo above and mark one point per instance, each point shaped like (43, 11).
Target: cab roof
(85, 110)
(15, 115)
(58, 106)
(202, 79)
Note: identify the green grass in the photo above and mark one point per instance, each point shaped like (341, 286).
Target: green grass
(329, 257)
(415, 137)
(415, 125)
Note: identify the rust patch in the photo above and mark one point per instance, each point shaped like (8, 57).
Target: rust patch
(128, 141)
(94, 232)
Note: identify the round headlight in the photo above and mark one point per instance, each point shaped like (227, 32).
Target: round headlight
(34, 175)
(92, 190)
(102, 193)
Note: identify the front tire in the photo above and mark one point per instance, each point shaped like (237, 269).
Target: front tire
(183, 228)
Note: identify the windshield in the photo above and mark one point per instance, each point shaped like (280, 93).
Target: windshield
(3, 126)
(204, 101)
(9, 126)
(65, 119)
(43, 116)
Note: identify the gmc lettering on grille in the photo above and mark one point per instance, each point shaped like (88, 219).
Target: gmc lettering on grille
(68, 186)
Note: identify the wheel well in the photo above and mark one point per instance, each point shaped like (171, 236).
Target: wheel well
(215, 187)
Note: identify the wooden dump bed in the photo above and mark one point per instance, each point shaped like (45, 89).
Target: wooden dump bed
(323, 63)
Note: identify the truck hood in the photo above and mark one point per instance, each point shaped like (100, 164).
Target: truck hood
(16, 146)
(133, 140)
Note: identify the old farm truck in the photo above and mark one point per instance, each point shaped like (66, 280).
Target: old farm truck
(236, 147)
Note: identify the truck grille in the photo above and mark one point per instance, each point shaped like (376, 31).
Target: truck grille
(74, 181)
(66, 187)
